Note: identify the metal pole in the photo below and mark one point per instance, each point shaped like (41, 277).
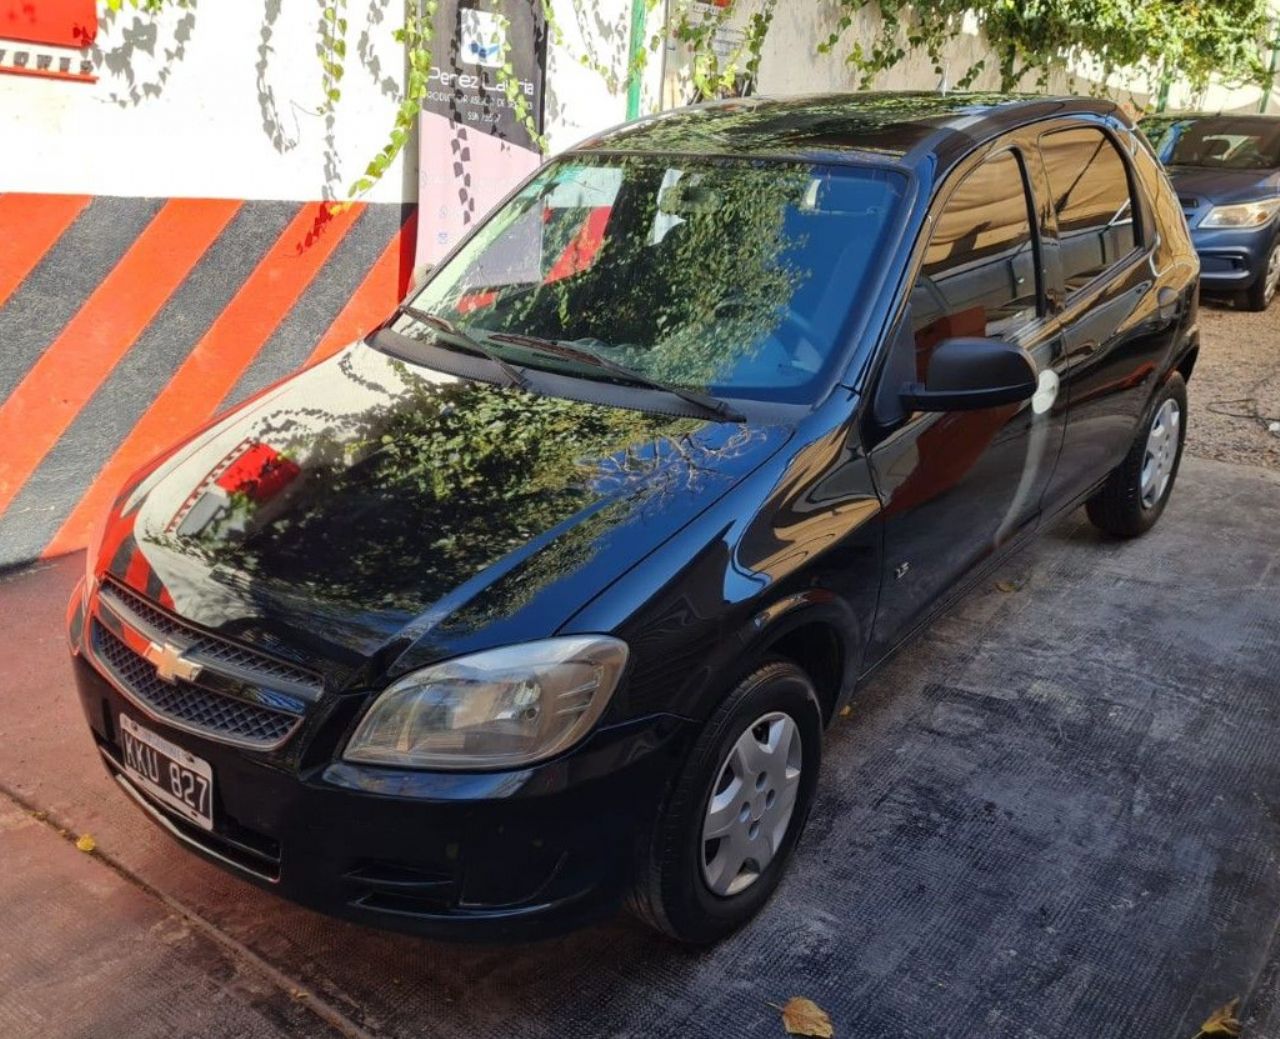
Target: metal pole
(1162, 98)
(1271, 76)
(633, 58)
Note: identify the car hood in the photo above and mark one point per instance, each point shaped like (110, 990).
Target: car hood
(367, 507)
(1219, 185)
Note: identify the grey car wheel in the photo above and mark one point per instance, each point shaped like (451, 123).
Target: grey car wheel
(1272, 275)
(750, 808)
(1135, 493)
(1260, 294)
(1161, 453)
(732, 818)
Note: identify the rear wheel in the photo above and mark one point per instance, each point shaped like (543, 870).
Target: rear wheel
(1260, 294)
(1137, 490)
(732, 819)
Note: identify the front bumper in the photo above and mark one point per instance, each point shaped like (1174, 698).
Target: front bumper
(465, 856)
(1232, 260)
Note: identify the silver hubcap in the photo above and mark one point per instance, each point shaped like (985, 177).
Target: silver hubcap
(751, 805)
(1273, 274)
(1162, 452)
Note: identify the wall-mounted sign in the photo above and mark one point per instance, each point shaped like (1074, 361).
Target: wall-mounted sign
(49, 38)
(473, 147)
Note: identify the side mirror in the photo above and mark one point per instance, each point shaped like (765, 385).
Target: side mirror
(966, 374)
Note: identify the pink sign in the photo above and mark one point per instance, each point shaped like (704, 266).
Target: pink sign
(462, 174)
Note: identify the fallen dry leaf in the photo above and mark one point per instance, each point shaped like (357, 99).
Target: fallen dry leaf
(804, 1017)
(1223, 1021)
(86, 843)
(1006, 586)
(845, 711)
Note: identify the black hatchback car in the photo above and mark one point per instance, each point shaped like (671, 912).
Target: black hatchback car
(543, 595)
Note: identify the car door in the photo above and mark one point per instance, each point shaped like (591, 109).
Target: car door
(956, 487)
(1122, 303)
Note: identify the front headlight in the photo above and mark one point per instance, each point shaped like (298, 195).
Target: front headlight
(496, 709)
(1243, 214)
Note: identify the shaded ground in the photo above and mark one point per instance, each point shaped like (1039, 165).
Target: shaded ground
(1058, 814)
(1235, 392)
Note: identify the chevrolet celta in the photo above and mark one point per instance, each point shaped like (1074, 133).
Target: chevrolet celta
(539, 599)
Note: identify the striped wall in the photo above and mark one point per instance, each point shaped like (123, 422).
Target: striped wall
(125, 323)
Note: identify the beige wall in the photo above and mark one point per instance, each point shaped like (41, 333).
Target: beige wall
(790, 64)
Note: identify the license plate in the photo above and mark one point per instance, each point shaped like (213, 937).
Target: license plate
(169, 773)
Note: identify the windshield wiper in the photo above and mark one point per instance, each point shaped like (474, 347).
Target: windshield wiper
(704, 402)
(440, 324)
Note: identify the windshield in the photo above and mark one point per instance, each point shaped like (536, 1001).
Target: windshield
(732, 277)
(1215, 142)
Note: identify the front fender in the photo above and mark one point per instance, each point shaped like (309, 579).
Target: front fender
(799, 538)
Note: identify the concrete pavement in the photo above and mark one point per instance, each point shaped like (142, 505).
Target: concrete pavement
(1057, 814)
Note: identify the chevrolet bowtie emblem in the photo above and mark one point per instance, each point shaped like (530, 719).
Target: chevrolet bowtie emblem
(169, 662)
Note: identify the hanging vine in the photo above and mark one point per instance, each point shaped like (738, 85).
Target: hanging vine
(332, 50)
(513, 91)
(1134, 41)
(415, 36)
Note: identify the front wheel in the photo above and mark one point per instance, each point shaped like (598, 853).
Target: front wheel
(732, 818)
(1138, 489)
(1260, 294)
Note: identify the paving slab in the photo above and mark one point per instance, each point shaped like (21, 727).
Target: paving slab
(1055, 814)
(86, 952)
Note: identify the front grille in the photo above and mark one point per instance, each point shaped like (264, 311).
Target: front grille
(255, 664)
(190, 706)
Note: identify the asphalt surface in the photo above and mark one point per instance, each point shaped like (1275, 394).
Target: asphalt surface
(1057, 814)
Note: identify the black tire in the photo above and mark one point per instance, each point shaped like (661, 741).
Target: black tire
(1260, 294)
(1118, 507)
(670, 892)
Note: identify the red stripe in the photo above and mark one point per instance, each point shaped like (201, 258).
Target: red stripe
(581, 250)
(214, 365)
(75, 364)
(32, 223)
(383, 287)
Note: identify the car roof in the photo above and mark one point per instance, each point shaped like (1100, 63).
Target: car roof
(904, 127)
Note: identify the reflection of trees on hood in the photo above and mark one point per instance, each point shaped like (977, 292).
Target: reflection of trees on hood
(443, 479)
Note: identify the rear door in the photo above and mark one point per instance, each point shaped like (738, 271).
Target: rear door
(958, 486)
(1118, 314)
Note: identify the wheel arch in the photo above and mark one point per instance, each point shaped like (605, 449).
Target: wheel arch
(818, 632)
(1187, 362)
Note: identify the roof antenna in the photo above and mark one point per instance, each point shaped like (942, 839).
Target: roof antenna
(943, 84)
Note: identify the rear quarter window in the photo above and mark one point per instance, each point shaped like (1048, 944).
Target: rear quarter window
(1172, 234)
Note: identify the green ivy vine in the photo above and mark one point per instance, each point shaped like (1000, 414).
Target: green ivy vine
(1139, 41)
(332, 51)
(415, 36)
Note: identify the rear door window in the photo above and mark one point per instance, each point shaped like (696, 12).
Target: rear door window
(1091, 198)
